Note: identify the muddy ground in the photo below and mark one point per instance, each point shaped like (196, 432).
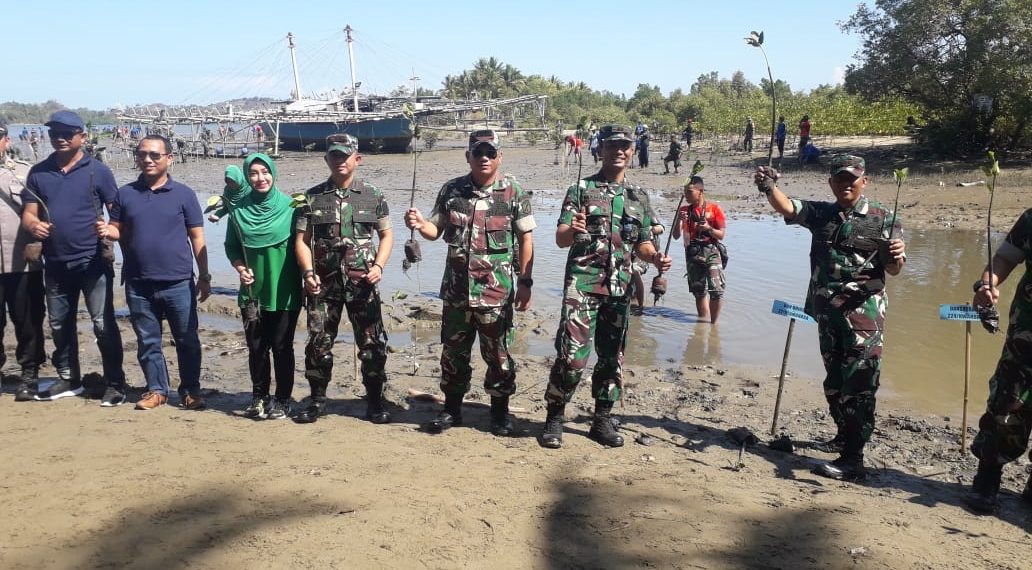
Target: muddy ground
(88, 487)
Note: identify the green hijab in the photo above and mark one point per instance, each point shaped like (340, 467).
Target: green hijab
(234, 173)
(264, 219)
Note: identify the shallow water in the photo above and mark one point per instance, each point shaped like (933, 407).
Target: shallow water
(924, 357)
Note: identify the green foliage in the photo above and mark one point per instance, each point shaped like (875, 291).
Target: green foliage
(947, 58)
(38, 113)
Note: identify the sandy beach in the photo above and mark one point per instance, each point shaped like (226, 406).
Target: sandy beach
(92, 487)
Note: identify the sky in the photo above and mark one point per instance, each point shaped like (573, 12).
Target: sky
(121, 53)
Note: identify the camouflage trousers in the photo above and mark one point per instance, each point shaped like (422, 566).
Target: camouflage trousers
(851, 347)
(706, 274)
(324, 314)
(1003, 431)
(461, 325)
(588, 318)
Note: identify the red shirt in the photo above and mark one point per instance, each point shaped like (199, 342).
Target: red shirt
(804, 128)
(714, 218)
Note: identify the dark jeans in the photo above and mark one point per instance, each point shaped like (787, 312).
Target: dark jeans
(21, 296)
(273, 332)
(94, 279)
(150, 302)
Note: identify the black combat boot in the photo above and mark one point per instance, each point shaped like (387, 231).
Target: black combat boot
(552, 436)
(602, 429)
(450, 416)
(316, 408)
(376, 411)
(850, 464)
(501, 424)
(983, 497)
(28, 386)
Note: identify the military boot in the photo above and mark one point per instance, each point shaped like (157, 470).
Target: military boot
(29, 384)
(552, 436)
(450, 416)
(317, 407)
(602, 429)
(501, 424)
(376, 411)
(850, 464)
(985, 489)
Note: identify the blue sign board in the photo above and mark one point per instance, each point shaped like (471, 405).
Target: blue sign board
(792, 311)
(958, 313)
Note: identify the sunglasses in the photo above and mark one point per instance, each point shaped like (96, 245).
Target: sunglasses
(619, 145)
(153, 155)
(66, 135)
(489, 153)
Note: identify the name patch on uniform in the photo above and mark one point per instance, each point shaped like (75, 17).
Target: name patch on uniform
(792, 311)
(958, 313)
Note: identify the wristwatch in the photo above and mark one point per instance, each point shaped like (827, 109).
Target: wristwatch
(526, 281)
(204, 277)
(981, 283)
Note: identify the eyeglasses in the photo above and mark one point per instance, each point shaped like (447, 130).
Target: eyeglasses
(489, 153)
(619, 145)
(61, 134)
(153, 155)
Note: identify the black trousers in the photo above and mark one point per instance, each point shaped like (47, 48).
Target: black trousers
(272, 333)
(21, 297)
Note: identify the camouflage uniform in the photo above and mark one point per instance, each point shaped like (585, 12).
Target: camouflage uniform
(344, 222)
(1004, 428)
(480, 226)
(598, 274)
(847, 298)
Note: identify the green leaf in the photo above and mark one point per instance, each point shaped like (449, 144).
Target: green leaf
(214, 201)
(298, 200)
(697, 167)
(900, 174)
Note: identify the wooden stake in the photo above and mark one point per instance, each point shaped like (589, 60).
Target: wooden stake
(967, 376)
(781, 379)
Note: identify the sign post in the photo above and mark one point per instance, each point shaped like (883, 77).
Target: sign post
(965, 313)
(794, 313)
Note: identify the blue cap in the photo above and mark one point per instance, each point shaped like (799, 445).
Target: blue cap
(69, 119)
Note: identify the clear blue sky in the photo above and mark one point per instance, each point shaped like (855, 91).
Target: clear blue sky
(106, 53)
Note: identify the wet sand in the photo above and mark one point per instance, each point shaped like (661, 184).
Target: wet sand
(94, 487)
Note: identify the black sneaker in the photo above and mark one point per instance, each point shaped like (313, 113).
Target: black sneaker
(112, 397)
(278, 409)
(258, 408)
(58, 390)
(842, 469)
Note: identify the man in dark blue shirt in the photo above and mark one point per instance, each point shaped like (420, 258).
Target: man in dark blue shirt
(159, 224)
(65, 199)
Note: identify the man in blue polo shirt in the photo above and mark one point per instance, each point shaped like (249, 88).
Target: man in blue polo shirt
(159, 224)
(66, 195)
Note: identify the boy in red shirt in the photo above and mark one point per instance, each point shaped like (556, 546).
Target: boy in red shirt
(703, 224)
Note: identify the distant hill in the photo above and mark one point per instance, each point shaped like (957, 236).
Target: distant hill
(13, 112)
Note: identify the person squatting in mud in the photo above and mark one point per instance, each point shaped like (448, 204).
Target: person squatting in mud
(341, 266)
(855, 243)
(603, 220)
(482, 216)
(1004, 428)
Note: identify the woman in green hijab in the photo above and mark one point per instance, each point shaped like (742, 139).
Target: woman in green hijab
(236, 188)
(262, 253)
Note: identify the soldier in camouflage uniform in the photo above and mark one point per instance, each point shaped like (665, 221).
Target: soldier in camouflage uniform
(21, 275)
(483, 217)
(605, 222)
(341, 266)
(1004, 428)
(855, 242)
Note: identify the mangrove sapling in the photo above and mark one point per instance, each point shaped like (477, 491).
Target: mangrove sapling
(413, 254)
(659, 283)
(252, 309)
(989, 316)
(755, 39)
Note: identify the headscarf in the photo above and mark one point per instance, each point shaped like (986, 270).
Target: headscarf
(232, 196)
(264, 219)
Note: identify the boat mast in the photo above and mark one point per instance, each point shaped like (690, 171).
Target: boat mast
(293, 65)
(351, 58)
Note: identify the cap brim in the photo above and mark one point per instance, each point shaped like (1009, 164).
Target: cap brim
(340, 148)
(858, 172)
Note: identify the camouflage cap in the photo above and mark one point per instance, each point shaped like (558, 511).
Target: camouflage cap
(854, 165)
(341, 142)
(616, 133)
(484, 136)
